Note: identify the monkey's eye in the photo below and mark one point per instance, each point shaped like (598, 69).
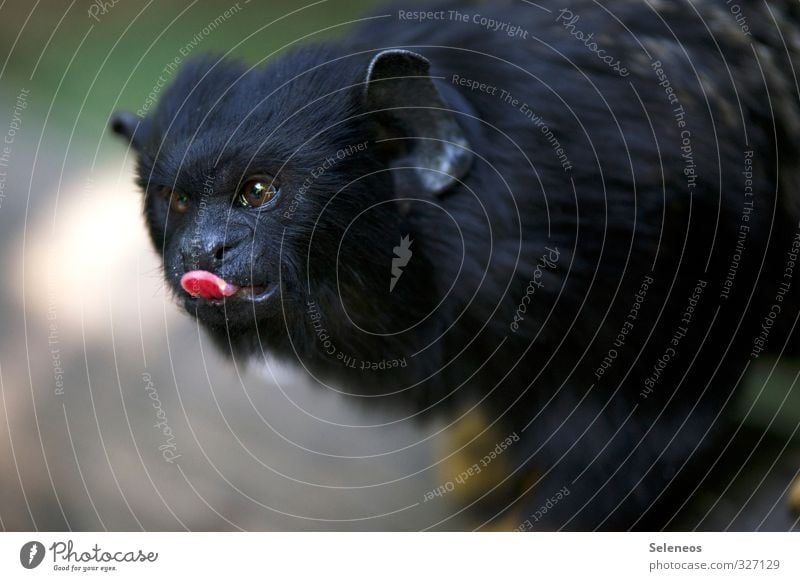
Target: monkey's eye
(256, 192)
(177, 201)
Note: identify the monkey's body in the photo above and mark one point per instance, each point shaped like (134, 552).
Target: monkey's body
(594, 280)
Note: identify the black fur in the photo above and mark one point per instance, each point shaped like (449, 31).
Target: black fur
(612, 209)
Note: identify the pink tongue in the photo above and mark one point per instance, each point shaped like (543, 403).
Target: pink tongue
(203, 284)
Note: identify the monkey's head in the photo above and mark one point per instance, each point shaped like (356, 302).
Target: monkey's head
(275, 191)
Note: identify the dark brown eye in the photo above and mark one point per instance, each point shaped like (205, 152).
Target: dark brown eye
(256, 192)
(178, 202)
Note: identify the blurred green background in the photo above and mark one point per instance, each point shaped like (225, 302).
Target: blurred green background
(89, 333)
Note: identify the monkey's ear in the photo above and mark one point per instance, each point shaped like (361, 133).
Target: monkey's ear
(125, 123)
(409, 108)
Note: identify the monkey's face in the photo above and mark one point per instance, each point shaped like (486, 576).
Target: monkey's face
(261, 194)
(221, 243)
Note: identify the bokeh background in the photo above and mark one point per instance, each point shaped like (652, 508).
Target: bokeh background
(89, 334)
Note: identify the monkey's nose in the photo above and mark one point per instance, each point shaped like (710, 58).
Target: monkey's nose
(210, 253)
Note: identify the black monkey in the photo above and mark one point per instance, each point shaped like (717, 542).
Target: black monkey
(579, 218)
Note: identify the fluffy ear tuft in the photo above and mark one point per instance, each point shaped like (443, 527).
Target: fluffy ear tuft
(125, 124)
(408, 106)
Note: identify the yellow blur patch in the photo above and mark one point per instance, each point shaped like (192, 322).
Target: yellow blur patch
(794, 495)
(477, 460)
(465, 450)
